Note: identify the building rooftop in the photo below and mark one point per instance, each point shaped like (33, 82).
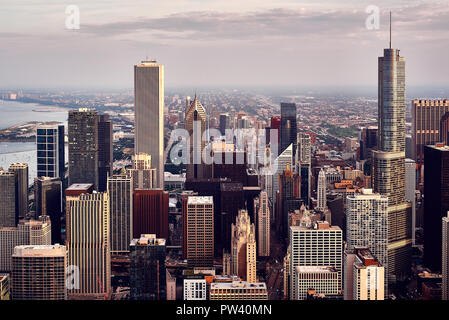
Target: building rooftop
(39, 251)
(200, 200)
(238, 285)
(148, 240)
(80, 186)
(315, 269)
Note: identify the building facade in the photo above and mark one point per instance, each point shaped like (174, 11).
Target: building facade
(50, 151)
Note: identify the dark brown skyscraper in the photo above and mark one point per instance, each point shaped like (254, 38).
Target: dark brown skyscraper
(105, 159)
(83, 146)
(150, 213)
(21, 171)
(8, 213)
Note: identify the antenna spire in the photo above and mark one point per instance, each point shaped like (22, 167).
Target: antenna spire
(390, 29)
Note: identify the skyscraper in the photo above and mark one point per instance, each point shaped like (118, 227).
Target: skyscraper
(368, 141)
(262, 210)
(88, 243)
(150, 215)
(39, 272)
(288, 126)
(83, 146)
(225, 123)
(317, 245)
(410, 188)
(149, 114)
(195, 126)
(321, 190)
(143, 175)
(445, 256)
(50, 151)
(243, 248)
(436, 202)
(9, 216)
(389, 161)
(105, 159)
(280, 164)
(48, 202)
(426, 118)
(200, 231)
(147, 273)
(120, 189)
(367, 224)
(21, 171)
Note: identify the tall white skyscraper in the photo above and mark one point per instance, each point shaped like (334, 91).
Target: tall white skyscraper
(318, 245)
(149, 114)
(321, 190)
(367, 224)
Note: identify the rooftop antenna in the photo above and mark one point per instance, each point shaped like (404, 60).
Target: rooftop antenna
(390, 29)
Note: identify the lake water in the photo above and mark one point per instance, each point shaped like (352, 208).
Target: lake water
(14, 112)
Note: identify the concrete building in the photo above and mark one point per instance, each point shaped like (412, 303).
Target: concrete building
(83, 146)
(195, 289)
(120, 189)
(262, 209)
(321, 191)
(317, 245)
(243, 248)
(88, 243)
(364, 275)
(323, 279)
(147, 268)
(200, 231)
(27, 232)
(143, 175)
(238, 290)
(9, 216)
(39, 272)
(426, 120)
(149, 114)
(367, 224)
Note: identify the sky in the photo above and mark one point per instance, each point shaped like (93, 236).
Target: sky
(219, 43)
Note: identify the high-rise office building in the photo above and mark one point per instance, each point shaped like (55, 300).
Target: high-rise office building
(444, 129)
(50, 151)
(410, 188)
(288, 126)
(323, 279)
(279, 166)
(367, 224)
(9, 216)
(196, 127)
(120, 189)
(368, 141)
(143, 175)
(303, 162)
(321, 191)
(364, 275)
(317, 245)
(150, 215)
(149, 114)
(200, 231)
(225, 123)
(445, 258)
(39, 272)
(262, 210)
(243, 247)
(27, 232)
(21, 171)
(105, 158)
(83, 146)
(88, 243)
(436, 202)
(48, 202)
(426, 119)
(147, 273)
(389, 161)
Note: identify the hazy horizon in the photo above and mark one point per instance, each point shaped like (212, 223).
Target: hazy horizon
(214, 44)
